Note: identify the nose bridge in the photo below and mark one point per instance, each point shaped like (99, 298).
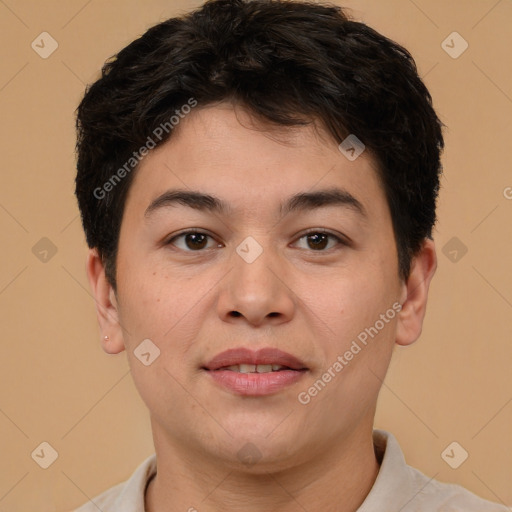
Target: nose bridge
(253, 265)
(255, 287)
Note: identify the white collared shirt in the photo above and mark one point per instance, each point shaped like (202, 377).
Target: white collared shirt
(398, 488)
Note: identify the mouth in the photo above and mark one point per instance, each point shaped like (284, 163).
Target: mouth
(264, 372)
(265, 360)
(256, 368)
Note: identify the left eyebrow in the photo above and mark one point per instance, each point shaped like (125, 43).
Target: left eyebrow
(298, 202)
(321, 199)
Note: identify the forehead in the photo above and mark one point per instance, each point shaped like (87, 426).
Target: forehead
(224, 151)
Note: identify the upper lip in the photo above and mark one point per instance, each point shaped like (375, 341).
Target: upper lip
(242, 355)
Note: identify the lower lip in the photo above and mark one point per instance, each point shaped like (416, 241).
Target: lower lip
(256, 384)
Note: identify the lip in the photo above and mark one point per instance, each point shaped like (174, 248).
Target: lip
(243, 355)
(255, 384)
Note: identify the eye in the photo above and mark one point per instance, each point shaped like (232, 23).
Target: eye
(193, 241)
(319, 240)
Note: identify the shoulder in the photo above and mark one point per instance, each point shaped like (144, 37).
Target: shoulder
(104, 501)
(446, 497)
(410, 490)
(126, 496)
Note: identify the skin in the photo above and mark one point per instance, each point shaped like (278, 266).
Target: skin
(307, 301)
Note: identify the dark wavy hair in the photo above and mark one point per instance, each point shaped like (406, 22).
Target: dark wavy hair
(288, 62)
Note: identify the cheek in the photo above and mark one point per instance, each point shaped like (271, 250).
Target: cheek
(362, 316)
(359, 295)
(149, 308)
(164, 308)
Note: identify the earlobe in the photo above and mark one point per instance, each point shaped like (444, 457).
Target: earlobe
(106, 306)
(415, 294)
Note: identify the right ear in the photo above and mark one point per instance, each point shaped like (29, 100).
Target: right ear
(106, 304)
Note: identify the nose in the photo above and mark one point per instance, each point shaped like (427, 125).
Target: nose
(256, 291)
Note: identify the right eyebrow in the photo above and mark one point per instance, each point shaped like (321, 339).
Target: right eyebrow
(192, 199)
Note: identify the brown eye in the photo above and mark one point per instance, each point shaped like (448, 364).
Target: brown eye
(319, 240)
(192, 241)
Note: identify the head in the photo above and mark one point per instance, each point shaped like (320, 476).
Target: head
(246, 103)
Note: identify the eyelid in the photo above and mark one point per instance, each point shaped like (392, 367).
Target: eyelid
(340, 238)
(189, 231)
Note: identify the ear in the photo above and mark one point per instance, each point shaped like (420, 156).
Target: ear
(106, 304)
(415, 293)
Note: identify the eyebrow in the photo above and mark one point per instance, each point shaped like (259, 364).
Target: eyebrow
(299, 202)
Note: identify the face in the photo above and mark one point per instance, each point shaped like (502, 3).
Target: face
(315, 277)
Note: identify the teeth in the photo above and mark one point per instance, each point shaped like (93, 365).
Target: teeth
(247, 368)
(264, 368)
(254, 368)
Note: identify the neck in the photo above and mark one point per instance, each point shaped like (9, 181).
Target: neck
(335, 480)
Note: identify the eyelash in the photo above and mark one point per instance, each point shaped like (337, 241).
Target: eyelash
(339, 240)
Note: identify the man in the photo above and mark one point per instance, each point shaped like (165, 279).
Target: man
(257, 182)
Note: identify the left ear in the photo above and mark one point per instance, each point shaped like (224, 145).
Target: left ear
(415, 293)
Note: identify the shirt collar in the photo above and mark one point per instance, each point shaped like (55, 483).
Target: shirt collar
(394, 483)
(131, 497)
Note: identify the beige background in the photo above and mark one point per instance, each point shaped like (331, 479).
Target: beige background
(56, 383)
